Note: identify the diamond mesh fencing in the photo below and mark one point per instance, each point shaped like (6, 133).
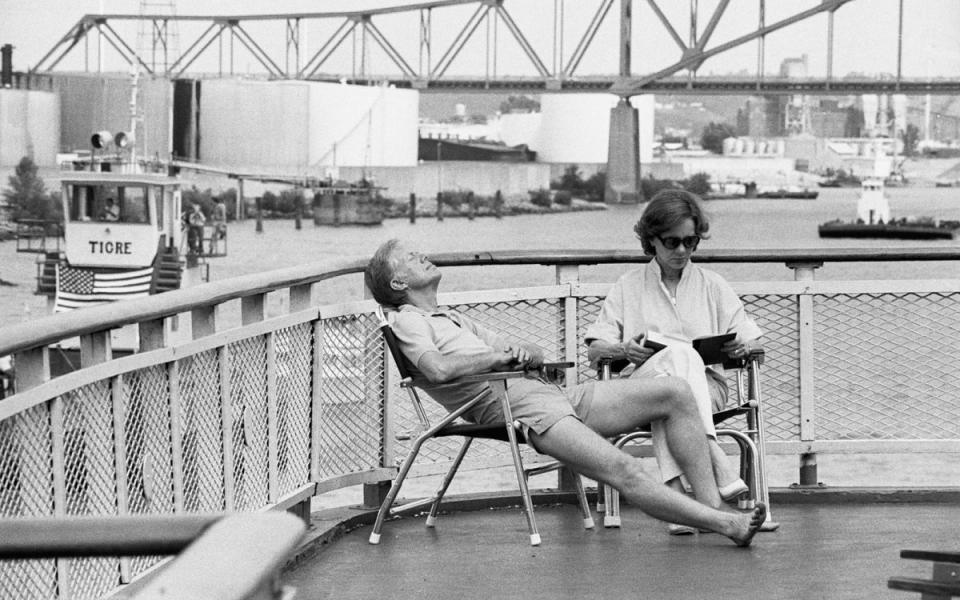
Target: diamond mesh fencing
(90, 479)
(350, 389)
(248, 400)
(885, 366)
(778, 317)
(294, 377)
(201, 428)
(148, 447)
(26, 490)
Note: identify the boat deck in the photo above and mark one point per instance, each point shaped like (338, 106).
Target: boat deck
(822, 550)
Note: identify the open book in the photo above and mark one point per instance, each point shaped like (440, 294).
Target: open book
(708, 347)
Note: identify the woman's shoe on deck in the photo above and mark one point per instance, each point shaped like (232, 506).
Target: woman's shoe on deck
(733, 489)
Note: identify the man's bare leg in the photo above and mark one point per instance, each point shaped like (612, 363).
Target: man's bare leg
(586, 452)
(625, 404)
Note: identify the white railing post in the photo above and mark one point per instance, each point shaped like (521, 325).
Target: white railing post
(252, 308)
(31, 368)
(804, 271)
(375, 493)
(301, 297)
(569, 275)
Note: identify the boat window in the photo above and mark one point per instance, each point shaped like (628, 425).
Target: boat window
(156, 198)
(80, 202)
(133, 200)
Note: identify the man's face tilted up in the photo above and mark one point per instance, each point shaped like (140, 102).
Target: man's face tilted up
(412, 269)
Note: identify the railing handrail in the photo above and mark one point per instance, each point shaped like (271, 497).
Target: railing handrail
(53, 328)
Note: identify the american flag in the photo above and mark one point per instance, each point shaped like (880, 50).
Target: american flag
(81, 287)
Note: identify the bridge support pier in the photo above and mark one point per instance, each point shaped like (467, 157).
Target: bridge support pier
(623, 155)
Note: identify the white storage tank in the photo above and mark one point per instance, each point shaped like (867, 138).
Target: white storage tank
(300, 126)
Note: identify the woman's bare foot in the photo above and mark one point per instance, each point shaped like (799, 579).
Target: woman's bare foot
(743, 529)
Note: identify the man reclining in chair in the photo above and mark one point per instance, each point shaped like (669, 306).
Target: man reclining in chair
(570, 425)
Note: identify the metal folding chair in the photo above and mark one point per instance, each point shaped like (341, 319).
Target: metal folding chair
(507, 431)
(749, 439)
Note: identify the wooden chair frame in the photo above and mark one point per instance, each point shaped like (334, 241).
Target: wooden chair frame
(749, 440)
(508, 431)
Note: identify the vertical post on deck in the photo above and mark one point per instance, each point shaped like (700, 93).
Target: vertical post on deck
(259, 201)
(203, 321)
(568, 275)
(375, 493)
(413, 208)
(498, 205)
(439, 206)
(32, 368)
(301, 297)
(804, 271)
(239, 208)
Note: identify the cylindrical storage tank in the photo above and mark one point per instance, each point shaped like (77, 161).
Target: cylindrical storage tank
(729, 144)
(749, 146)
(761, 146)
(738, 146)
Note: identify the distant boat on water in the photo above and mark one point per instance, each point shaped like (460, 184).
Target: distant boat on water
(874, 221)
(790, 193)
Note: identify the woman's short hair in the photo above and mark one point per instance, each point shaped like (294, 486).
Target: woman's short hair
(379, 273)
(666, 210)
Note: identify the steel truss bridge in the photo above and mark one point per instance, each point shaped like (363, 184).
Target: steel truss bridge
(421, 46)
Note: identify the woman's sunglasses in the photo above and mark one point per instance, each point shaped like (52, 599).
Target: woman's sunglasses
(672, 243)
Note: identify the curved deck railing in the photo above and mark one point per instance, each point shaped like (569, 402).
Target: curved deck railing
(273, 411)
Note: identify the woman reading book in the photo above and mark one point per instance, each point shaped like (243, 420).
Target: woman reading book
(652, 315)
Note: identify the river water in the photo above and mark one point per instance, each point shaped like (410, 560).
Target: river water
(735, 224)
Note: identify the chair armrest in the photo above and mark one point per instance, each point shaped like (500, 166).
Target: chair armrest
(549, 370)
(757, 354)
(616, 365)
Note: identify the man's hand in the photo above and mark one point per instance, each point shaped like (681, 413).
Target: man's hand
(519, 357)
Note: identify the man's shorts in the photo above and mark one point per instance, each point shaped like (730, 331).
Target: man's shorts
(537, 405)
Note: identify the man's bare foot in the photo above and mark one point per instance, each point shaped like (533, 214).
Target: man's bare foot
(745, 529)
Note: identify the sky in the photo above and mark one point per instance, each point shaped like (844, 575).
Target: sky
(864, 41)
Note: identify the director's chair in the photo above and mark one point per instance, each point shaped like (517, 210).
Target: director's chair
(749, 438)
(507, 431)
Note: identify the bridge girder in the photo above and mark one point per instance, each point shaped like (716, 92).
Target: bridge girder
(554, 69)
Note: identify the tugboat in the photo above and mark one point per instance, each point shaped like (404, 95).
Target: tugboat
(122, 239)
(873, 220)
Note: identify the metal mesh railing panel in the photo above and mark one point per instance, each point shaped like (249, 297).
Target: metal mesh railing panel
(886, 367)
(201, 428)
(779, 319)
(26, 451)
(26, 490)
(294, 350)
(248, 397)
(90, 477)
(147, 436)
(149, 460)
(588, 309)
(28, 579)
(350, 391)
(88, 450)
